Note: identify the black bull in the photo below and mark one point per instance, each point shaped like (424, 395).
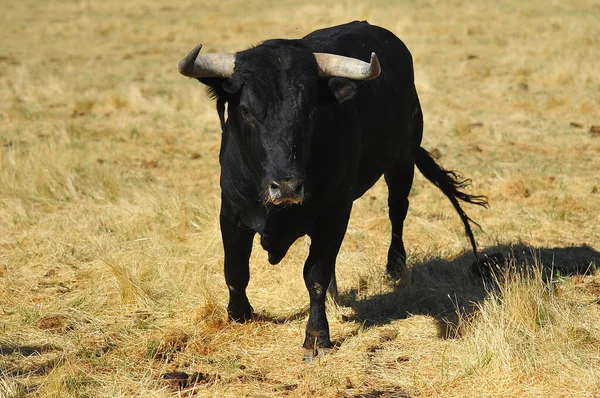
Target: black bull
(306, 133)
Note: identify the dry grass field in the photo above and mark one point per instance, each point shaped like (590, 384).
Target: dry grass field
(110, 252)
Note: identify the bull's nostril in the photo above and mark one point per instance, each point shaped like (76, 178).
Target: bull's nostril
(274, 190)
(287, 190)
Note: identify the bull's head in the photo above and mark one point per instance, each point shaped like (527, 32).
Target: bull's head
(272, 95)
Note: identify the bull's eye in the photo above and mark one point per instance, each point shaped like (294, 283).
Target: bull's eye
(247, 121)
(243, 110)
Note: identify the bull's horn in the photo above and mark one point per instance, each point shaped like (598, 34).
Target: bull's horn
(331, 65)
(210, 65)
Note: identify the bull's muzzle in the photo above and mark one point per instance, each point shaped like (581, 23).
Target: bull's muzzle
(286, 191)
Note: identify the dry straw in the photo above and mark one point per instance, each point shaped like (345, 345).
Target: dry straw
(110, 253)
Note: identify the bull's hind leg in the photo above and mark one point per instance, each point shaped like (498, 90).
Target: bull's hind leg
(399, 181)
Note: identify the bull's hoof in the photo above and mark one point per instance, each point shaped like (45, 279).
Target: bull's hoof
(309, 354)
(397, 270)
(316, 343)
(395, 275)
(240, 314)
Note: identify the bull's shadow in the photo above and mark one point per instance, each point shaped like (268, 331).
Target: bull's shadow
(447, 290)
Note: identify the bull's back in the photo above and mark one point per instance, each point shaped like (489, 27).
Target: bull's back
(358, 40)
(384, 105)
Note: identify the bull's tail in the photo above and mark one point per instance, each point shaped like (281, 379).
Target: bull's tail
(451, 183)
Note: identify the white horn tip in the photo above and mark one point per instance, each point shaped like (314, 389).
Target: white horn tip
(375, 67)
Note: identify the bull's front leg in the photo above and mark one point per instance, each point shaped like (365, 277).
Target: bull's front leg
(237, 244)
(326, 239)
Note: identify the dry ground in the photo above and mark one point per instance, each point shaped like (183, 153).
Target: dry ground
(110, 255)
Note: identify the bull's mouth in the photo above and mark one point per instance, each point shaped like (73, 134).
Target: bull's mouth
(286, 201)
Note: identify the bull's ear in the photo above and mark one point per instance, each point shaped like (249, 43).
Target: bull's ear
(232, 85)
(221, 88)
(342, 89)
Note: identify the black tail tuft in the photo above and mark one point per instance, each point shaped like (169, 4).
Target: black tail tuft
(451, 183)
